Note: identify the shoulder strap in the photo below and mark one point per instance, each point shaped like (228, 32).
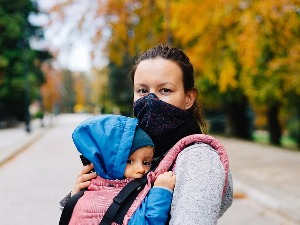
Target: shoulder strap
(122, 202)
(69, 207)
(172, 154)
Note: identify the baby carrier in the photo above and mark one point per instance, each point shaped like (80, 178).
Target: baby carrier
(129, 194)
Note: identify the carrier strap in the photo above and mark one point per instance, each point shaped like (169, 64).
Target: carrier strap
(122, 202)
(116, 211)
(69, 207)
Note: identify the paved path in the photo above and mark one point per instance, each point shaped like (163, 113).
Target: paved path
(267, 174)
(16, 139)
(35, 180)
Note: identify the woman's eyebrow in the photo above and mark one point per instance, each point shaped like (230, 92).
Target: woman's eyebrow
(166, 83)
(140, 84)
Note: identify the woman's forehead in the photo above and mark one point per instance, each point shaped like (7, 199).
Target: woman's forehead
(157, 63)
(157, 70)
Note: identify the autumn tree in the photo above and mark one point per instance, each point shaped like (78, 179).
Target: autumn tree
(137, 25)
(276, 56)
(99, 91)
(51, 88)
(211, 46)
(82, 92)
(119, 30)
(247, 51)
(68, 95)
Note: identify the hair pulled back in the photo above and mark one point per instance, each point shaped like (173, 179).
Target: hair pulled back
(181, 59)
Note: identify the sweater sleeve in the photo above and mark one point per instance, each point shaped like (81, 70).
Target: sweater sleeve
(155, 208)
(199, 186)
(63, 201)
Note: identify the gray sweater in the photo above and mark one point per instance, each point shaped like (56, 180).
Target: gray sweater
(197, 197)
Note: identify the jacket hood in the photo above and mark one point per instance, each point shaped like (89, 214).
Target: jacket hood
(105, 141)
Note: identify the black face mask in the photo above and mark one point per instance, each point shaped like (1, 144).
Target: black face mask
(164, 123)
(157, 117)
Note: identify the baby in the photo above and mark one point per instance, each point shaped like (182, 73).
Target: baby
(120, 152)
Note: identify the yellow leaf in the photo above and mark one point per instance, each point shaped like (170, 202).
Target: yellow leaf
(227, 76)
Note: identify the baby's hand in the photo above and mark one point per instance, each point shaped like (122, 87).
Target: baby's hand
(84, 179)
(166, 180)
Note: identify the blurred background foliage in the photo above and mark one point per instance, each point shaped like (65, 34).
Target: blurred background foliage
(246, 55)
(19, 63)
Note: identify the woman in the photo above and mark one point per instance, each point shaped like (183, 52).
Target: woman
(165, 105)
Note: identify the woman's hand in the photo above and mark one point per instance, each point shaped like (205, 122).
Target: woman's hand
(166, 180)
(84, 179)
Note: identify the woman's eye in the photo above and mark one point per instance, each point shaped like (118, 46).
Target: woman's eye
(129, 161)
(142, 90)
(165, 90)
(147, 163)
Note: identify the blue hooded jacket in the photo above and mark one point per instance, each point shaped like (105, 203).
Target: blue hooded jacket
(105, 141)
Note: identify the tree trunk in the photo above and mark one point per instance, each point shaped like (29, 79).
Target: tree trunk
(273, 123)
(240, 119)
(298, 134)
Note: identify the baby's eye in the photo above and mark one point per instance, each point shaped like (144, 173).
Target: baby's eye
(147, 163)
(129, 161)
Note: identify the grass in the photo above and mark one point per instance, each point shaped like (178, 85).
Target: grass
(260, 136)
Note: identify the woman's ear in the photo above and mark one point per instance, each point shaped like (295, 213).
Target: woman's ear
(190, 98)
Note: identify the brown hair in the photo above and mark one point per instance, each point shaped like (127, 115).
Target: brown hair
(180, 58)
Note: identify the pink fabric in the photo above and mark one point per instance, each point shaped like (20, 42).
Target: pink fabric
(92, 206)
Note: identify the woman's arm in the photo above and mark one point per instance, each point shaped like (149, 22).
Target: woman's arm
(228, 196)
(199, 186)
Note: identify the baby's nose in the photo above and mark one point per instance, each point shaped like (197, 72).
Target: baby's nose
(140, 168)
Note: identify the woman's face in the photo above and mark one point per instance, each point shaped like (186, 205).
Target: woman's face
(164, 79)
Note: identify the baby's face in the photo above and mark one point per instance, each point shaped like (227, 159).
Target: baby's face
(139, 163)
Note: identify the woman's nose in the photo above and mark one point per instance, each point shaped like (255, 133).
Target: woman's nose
(152, 94)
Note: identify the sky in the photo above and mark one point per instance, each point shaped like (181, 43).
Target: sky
(74, 55)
